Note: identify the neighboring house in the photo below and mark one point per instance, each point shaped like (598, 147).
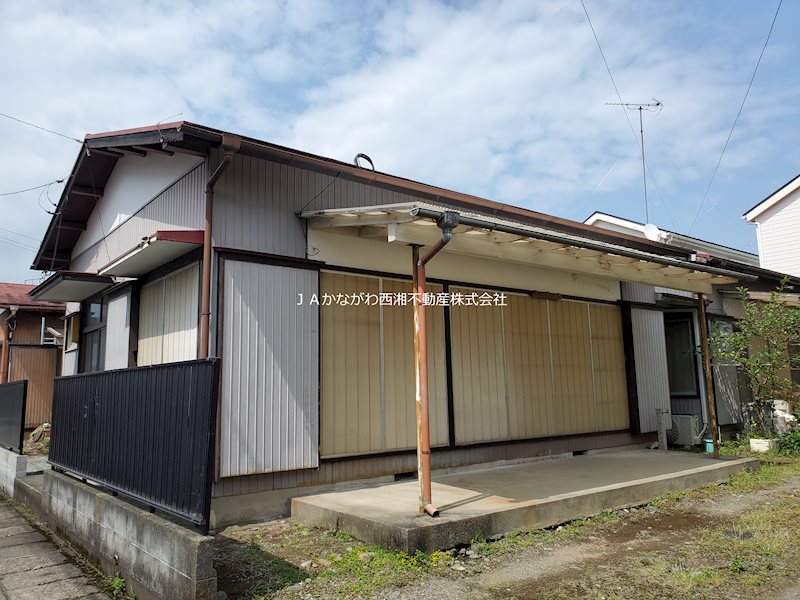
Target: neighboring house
(31, 335)
(777, 220)
(179, 241)
(674, 329)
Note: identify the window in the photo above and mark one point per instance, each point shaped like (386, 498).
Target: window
(73, 329)
(93, 335)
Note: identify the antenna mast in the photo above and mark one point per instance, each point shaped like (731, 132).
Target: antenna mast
(655, 105)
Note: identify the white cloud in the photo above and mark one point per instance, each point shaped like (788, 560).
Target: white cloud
(501, 99)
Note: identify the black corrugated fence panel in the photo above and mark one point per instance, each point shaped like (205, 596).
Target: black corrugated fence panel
(12, 415)
(146, 432)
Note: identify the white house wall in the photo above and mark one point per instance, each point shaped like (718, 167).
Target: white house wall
(777, 230)
(270, 370)
(178, 206)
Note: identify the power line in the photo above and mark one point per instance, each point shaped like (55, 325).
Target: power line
(69, 137)
(11, 231)
(30, 189)
(736, 120)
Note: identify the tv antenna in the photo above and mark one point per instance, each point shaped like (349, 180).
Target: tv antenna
(654, 106)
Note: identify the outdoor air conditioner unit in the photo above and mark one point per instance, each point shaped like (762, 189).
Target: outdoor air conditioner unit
(686, 430)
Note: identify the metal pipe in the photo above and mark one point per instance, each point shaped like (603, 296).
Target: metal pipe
(582, 243)
(230, 145)
(712, 402)
(446, 222)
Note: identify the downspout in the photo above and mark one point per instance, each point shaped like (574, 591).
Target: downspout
(4, 331)
(230, 146)
(7, 329)
(447, 222)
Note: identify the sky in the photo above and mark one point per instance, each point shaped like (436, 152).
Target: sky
(501, 99)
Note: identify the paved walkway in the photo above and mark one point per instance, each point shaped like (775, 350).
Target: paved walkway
(31, 567)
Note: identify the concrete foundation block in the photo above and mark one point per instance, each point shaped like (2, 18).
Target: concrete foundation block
(13, 466)
(157, 558)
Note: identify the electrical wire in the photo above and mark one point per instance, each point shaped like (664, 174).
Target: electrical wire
(38, 187)
(736, 120)
(68, 137)
(11, 231)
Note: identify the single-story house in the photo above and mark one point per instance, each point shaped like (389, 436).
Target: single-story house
(544, 335)
(31, 338)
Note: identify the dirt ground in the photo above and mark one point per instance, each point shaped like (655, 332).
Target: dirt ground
(735, 541)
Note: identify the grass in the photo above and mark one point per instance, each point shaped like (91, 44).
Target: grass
(750, 553)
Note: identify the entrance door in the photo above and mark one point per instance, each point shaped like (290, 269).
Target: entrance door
(682, 353)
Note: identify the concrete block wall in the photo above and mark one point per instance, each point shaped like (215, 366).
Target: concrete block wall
(12, 467)
(157, 558)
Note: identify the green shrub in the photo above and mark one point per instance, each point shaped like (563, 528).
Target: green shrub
(790, 442)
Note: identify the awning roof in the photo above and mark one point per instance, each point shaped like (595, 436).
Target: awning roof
(65, 286)
(158, 249)
(479, 235)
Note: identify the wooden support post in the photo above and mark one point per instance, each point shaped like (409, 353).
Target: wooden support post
(712, 403)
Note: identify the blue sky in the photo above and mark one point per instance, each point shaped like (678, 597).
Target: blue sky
(504, 100)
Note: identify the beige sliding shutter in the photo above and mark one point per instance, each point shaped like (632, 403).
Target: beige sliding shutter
(368, 391)
(168, 315)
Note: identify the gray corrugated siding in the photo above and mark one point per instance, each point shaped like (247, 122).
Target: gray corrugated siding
(270, 370)
(117, 333)
(652, 379)
(638, 292)
(726, 392)
(179, 207)
(256, 202)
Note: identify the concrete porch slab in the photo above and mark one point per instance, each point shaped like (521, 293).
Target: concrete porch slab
(482, 503)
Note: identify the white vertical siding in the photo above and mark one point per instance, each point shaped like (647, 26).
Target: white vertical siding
(777, 230)
(650, 357)
(168, 316)
(270, 358)
(118, 332)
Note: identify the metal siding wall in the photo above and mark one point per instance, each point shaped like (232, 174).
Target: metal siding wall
(652, 379)
(479, 379)
(368, 390)
(37, 365)
(256, 202)
(638, 292)
(117, 333)
(269, 374)
(179, 207)
(530, 368)
(726, 392)
(778, 232)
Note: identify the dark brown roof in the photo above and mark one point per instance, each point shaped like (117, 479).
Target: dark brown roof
(16, 294)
